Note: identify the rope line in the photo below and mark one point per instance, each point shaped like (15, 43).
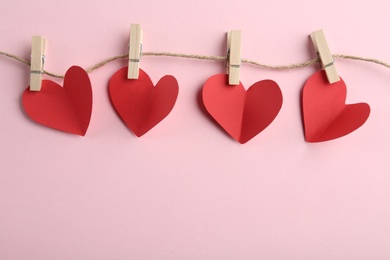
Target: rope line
(204, 57)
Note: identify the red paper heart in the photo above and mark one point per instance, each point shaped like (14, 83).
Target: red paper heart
(140, 105)
(243, 114)
(325, 114)
(65, 108)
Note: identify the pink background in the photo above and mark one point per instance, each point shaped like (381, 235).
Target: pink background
(186, 190)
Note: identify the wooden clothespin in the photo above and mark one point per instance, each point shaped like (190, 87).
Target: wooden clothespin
(37, 61)
(326, 58)
(135, 51)
(234, 57)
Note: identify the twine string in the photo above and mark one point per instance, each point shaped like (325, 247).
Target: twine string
(205, 57)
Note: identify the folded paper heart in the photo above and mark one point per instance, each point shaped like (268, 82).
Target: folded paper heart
(139, 103)
(65, 108)
(325, 114)
(243, 114)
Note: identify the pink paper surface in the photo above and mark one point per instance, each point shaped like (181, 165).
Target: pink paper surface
(139, 103)
(326, 116)
(186, 190)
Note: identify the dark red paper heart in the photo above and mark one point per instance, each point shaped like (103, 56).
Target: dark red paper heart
(243, 114)
(65, 108)
(140, 105)
(325, 114)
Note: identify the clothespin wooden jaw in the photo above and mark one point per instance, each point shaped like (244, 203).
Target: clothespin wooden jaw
(326, 58)
(37, 62)
(234, 56)
(135, 51)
